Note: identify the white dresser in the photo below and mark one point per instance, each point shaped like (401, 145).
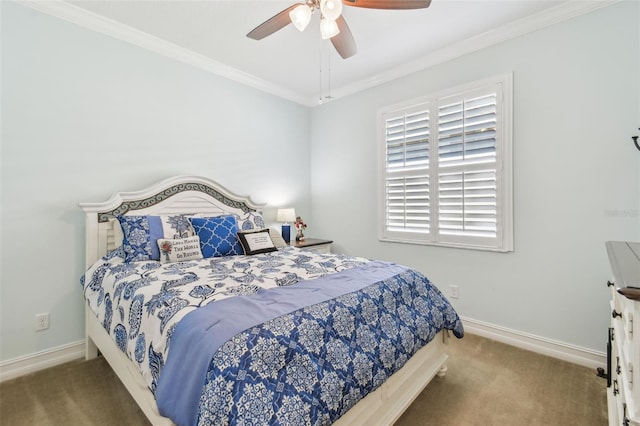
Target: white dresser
(623, 349)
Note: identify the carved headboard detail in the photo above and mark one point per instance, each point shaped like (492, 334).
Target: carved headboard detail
(180, 194)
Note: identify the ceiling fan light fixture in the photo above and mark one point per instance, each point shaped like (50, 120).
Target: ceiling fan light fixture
(331, 9)
(328, 28)
(300, 16)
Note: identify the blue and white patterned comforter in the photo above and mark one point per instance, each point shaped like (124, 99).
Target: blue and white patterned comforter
(307, 365)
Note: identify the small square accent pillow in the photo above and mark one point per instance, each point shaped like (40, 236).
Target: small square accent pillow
(142, 232)
(217, 236)
(179, 249)
(256, 242)
(250, 221)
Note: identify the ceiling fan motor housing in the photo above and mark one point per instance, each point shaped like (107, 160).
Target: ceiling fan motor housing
(332, 23)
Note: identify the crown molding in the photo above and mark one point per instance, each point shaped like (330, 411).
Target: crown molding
(100, 24)
(517, 28)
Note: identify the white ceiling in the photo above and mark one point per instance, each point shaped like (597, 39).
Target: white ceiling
(300, 66)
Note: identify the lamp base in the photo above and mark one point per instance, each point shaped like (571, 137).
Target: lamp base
(286, 233)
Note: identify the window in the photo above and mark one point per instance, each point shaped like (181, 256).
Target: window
(446, 168)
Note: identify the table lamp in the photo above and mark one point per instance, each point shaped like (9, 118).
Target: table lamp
(286, 216)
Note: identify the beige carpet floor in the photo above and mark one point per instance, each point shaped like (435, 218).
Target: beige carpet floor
(488, 383)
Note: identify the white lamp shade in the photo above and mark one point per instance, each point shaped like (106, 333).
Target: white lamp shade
(328, 28)
(286, 215)
(331, 9)
(300, 16)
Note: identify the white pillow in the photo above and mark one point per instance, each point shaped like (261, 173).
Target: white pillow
(277, 239)
(118, 236)
(179, 249)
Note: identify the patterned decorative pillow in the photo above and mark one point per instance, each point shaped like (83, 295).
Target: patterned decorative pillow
(255, 242)
(179, 250)
(142, 232)
(217, 236)
(250, 221)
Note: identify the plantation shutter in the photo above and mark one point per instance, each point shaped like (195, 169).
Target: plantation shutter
(467, 131)
(406, 165)
(446, 168)
(468, 203)
(467, 187)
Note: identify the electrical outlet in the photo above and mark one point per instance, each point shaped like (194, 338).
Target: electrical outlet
(453, 291)
(42, 321)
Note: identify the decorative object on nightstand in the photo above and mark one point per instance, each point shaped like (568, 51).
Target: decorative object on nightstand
(300, 226)
(286, 216)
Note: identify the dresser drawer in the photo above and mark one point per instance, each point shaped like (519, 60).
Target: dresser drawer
(622, 316)
(620, 402)
(625, 379)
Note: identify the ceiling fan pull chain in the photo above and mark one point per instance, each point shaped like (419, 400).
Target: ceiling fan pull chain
(320, 75)
(329, 77)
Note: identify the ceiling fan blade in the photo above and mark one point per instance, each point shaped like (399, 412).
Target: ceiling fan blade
(389, 4)
(272, 24)
(344, 42)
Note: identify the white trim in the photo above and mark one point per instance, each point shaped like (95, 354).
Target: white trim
(100, 24)
(577, 355)
(20, 366)
(554, 15)
(542, 345)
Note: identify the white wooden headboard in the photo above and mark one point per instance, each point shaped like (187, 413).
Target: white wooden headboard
(180, 194)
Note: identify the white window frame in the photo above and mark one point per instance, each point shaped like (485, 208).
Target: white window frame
(503, 241)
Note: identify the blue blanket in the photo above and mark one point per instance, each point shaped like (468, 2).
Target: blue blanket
(283, 356)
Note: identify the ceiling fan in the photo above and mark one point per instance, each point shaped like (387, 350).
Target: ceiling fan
(332, 24)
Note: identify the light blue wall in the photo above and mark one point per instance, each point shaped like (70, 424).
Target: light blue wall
(84, 115)
(576, 175)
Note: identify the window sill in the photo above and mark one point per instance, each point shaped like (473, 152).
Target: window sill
(447, 245)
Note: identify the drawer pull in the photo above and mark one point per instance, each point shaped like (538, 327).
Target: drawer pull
(615, 387)
(610, 284)
(618, 369)
(615, 314)
(625, 419)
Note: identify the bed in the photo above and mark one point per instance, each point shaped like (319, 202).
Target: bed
(251, 331)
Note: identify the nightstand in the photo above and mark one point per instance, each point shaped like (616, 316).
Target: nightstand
(313, 244)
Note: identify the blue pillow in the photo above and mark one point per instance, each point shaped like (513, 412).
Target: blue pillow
(218, 236)
(141, 233)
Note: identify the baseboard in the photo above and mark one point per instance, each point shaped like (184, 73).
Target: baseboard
(589, 358)
(542, 345)
(40, 360)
